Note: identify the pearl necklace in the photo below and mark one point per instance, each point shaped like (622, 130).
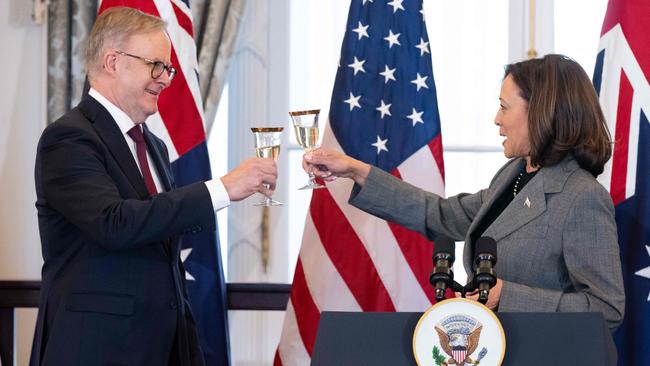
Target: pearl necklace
(515, 189)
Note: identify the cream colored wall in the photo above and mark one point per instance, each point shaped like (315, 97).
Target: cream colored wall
(22, 118)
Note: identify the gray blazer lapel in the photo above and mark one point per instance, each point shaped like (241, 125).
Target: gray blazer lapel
(531, 201)
(527, 205)
(501, 181)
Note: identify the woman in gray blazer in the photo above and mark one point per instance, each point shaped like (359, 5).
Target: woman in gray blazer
(552, 221)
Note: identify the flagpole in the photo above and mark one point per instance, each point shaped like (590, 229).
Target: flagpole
(532, 53)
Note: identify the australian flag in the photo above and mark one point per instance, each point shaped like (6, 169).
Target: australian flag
(179, 122)
(621, 79)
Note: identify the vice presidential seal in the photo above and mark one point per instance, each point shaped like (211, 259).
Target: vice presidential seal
(458, 332)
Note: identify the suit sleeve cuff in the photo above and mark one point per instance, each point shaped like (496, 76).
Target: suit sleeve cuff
(218, 194)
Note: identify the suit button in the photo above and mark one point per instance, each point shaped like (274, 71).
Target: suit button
(173, 304)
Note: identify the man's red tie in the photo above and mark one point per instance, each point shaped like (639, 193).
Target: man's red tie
(141, 149)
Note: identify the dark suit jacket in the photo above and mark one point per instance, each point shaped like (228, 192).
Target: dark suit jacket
(113, 288)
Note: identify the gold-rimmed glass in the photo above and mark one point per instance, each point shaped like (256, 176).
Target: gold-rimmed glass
(267, 145)
(305, 124)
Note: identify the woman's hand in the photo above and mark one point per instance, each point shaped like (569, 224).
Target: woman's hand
(493, 298)
(329, 165)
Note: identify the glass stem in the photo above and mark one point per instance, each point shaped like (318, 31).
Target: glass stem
(267, 199)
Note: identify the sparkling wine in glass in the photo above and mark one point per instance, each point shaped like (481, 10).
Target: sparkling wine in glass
(305, 124)
(267, 145)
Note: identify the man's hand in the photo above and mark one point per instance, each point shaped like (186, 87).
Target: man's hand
(249, 177)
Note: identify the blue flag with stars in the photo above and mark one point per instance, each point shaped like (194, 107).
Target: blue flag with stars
(383, 106)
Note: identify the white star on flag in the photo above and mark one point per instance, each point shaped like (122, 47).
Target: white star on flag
(423, 16)
(184, 254)
(388, 74)
(366, 1)
(396, 4)
(380, 145)
(357, 65)
(362, 30)
(392, 39)
(384, 109)
(416, 117)
(420, 81)
(423, 46)
(646, 271)
(353, 101)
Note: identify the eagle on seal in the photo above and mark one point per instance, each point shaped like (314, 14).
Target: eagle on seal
(459, 345)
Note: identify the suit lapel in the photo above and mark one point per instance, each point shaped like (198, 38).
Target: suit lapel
(110, 133)
(171, 246)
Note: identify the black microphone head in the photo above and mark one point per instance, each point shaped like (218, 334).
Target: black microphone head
(444, 244)
(486, 245)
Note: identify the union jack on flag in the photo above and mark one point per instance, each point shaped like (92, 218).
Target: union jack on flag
(383, 111)
(621, 79)
(179, 122)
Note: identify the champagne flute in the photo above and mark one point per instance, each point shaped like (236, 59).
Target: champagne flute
(267, 145)
(305, 124)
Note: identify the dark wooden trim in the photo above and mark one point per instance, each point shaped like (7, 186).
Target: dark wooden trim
(6, 336)
(241, 296)
(19, 294)
(258, 296)
(25, 294)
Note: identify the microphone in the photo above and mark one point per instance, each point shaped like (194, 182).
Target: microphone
(484, 275)
(442, 276)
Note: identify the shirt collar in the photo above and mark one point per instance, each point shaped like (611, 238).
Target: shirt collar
(124, 122)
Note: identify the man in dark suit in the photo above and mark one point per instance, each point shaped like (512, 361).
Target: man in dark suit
(110, 217)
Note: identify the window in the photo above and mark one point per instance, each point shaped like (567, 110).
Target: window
(316, 33)
(579, 41)
(469, 47)
(218, 151)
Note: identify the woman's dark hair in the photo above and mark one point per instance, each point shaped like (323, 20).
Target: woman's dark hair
(564, 116)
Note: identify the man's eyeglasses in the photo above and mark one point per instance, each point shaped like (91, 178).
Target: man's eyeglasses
(157, 67)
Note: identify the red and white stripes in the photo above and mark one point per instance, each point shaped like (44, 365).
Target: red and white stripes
(352, 261)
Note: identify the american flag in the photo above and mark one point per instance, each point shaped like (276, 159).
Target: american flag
(179, 122)
(621, 79)
(383, 111)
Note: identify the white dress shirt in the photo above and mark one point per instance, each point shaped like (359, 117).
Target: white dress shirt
(217, 190)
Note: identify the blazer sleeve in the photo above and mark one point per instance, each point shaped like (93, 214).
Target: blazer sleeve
(394, 200)
(591, 254)
(76, 182)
